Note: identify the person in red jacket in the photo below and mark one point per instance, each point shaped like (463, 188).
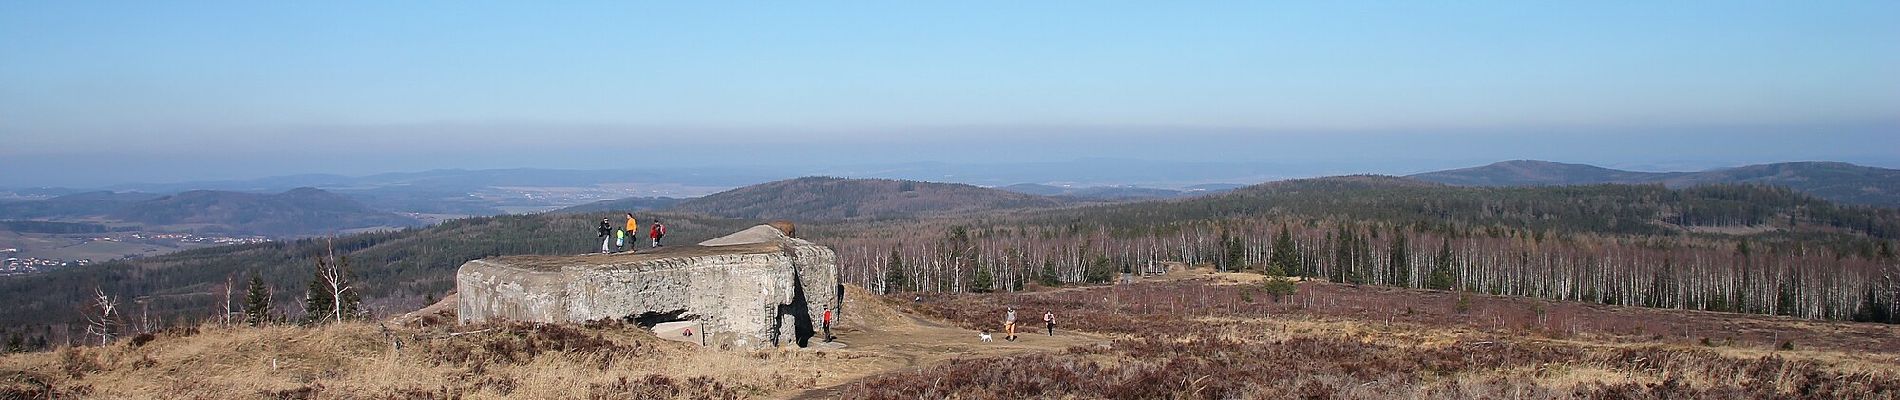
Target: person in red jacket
(659, 231)
(827, 324)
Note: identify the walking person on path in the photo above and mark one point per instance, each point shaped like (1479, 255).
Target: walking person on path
(659, 231)
(605, 238)
(827, 322)
(1050, 318)
(1009, 325)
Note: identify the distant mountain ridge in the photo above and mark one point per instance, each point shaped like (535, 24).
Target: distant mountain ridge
(825, 198)
(1836, 181)
(619, 205)
(85, 204)
(301, 211)
(1099, 193)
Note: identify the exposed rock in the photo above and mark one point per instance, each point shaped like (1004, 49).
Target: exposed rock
(442, 312)
(754, 288)
(753, 235)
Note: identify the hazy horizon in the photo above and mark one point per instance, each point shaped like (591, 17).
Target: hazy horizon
(103, 94)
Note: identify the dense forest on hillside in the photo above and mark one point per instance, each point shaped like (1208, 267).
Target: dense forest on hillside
(1736, 248)
(1834, 181)
(1730, 248)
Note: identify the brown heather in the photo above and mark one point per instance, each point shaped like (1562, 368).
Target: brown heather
(1189, 335)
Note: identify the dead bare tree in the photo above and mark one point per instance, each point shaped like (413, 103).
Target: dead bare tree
(102, 316)
(228, 282)
(335, 277)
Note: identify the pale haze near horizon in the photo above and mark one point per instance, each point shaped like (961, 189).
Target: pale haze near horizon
(98, 94)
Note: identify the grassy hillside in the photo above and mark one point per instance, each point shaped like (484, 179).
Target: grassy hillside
(1185, 335)
(363, 360)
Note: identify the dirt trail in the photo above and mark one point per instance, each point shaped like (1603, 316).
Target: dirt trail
(878, 337)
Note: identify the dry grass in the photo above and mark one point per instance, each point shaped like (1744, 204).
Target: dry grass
(1170, 338)
(357, 360)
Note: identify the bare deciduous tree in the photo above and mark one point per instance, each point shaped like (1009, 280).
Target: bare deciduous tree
(102, 316)
(335, 277)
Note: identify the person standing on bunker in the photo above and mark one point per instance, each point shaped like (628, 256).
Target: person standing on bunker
(1009, 324)
(827, 324)
(633, 233)
(1050, 318)
(605, 238)
(659, 231)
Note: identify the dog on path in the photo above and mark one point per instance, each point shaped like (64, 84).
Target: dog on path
(984, 336)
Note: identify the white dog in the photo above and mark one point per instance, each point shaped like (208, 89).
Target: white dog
(985, 336)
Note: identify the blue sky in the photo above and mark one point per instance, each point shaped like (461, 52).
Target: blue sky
(207, 90)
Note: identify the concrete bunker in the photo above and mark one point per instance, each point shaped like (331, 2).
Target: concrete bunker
(752, 289)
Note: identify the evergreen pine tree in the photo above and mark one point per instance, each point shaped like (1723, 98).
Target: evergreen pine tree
(1049, 277)
(984, 282)
(257, 302)
(353, 306)
(894, 274)
(1873, 308)
(1285, 257)
(318, 302)
(1442, 278)
(1399, 266)
(1235, 253)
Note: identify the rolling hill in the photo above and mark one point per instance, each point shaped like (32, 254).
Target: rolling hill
(818, 198)
(77, 205)
(303, 211)
(1537, 173)
(1840, 182)
(1601, 208)
(1096, 193)
(622, 205)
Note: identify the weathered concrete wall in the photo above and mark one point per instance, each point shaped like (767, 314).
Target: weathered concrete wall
(750, 289)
